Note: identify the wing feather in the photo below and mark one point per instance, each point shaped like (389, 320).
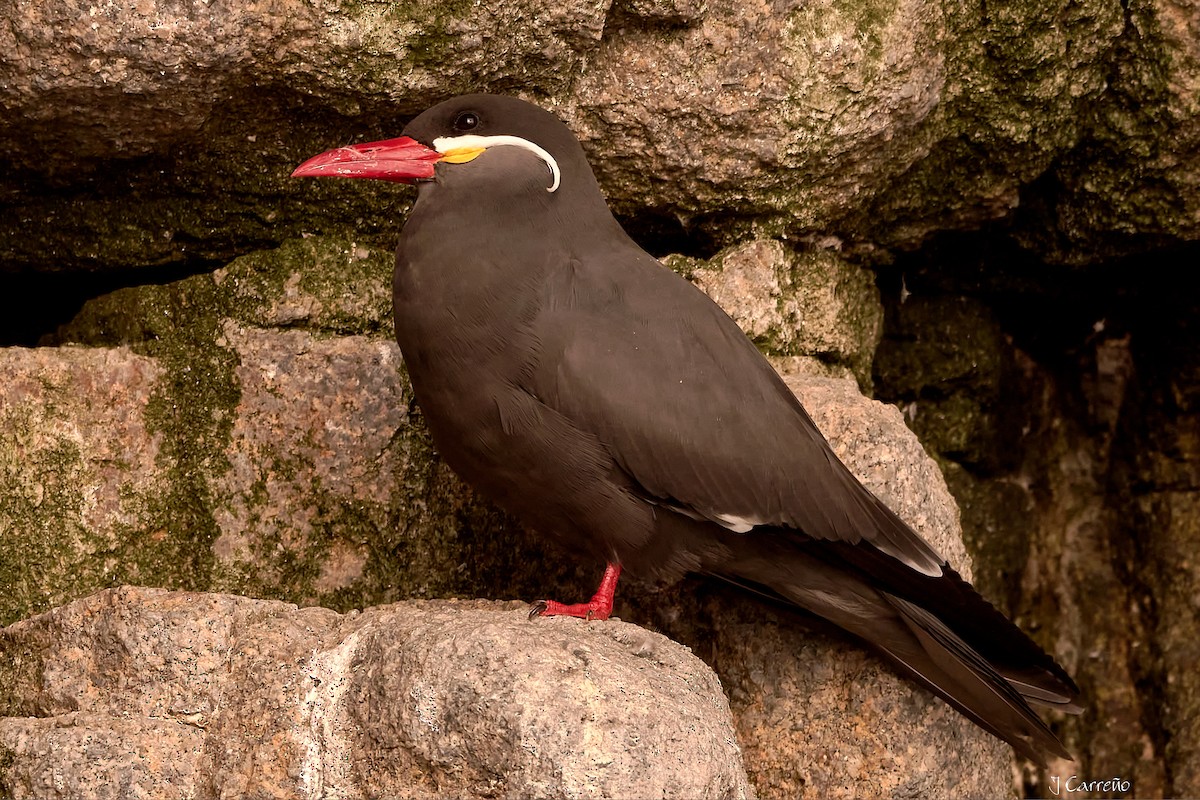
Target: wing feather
(693, 412)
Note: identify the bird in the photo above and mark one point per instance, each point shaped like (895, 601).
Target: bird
(599, 397)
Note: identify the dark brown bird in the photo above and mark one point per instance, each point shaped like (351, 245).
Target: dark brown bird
(601, 398)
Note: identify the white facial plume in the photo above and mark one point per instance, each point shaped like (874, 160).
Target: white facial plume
(461, 149)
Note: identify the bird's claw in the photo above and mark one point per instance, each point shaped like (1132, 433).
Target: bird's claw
(598, 608)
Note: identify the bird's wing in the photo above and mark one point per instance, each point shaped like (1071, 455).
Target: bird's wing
(687, 406)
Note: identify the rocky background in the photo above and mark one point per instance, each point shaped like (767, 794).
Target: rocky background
(985, 214)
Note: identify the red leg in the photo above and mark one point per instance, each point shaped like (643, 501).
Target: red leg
(599, 607)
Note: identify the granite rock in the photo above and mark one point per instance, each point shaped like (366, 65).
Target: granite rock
(148, 693)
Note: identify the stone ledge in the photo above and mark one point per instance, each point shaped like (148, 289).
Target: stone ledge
(177, 694)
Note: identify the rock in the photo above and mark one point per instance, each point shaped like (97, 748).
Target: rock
(293, 461)
(809, 109)
(152, 693)
(76, 455)
(147, 135)
(91, 756)
(793, 694)
(220, 434)
(150, 74)
(127, 85)
(876, 125)
(811, 304)
(1056, 523)
(1155, 549)
(1134, 179)
(819, 716)
(949, 364)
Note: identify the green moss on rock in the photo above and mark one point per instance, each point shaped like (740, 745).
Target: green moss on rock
(39, 518)
(330, 286)
(814, 304)
(949, 364)
(260, 497)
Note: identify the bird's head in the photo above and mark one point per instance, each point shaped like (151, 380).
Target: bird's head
(469, 140)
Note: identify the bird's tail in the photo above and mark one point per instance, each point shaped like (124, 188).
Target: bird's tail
(970, 655)
(941, 660)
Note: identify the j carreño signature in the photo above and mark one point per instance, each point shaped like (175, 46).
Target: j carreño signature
(1076, 784)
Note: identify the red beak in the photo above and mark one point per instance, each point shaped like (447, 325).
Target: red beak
(404, 160)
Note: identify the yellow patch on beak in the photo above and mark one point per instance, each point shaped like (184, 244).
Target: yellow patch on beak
(461, 155)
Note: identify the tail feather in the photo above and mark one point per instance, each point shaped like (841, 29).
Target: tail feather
(1035, 688)
(964, 611)
(953, 654)
(966, 680)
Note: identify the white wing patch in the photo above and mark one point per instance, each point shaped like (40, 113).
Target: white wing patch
(737, 524)
(930, 565)
(727, 521)
(445, 143)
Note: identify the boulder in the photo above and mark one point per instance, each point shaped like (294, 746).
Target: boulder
(148, 693)
(876, 125)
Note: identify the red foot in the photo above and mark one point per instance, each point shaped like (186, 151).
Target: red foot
(599, 607)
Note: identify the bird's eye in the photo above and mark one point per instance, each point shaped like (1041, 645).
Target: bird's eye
(466, 121)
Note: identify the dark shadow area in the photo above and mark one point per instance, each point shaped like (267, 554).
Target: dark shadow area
(34, 305)
(1064, 406)
(74, 226)
(663, 234)
(1054, 312)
